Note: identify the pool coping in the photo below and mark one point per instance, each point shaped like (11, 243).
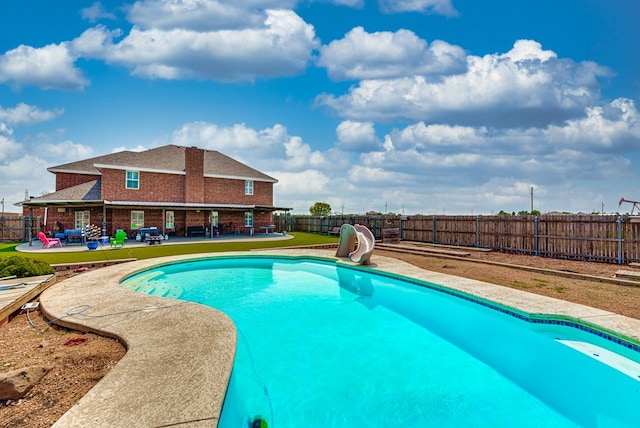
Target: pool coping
(179, 355)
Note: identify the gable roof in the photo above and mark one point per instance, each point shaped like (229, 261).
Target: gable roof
(85, 192)
(168, 159)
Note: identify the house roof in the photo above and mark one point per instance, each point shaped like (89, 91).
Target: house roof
(167, 159)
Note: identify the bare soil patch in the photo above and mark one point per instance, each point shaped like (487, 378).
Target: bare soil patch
(621, 299)
(75, 368)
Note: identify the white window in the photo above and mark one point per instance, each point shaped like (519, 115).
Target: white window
(81, 219)
(248, 187)
(248, 219)
(214, 218)
(170, 220)
(133, 180)
(137, 219)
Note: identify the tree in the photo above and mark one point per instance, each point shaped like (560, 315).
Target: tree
(320, 208)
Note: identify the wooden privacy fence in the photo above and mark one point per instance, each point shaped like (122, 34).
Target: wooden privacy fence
(599, 238)
(18, 228)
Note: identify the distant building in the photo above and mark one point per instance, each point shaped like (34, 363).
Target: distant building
(173, 188)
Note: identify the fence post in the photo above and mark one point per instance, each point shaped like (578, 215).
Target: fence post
(619, 221)
(433, 232)
(535, 238)
(477, 231)
(400, 228)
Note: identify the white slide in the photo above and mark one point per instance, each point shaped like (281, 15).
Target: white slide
(366, 244)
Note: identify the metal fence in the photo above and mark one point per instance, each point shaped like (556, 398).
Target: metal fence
(599, 238)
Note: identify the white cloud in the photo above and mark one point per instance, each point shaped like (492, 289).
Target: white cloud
(95, 12)
(138, 148)
(9, 148)
(49, 67)
(305, 183)
(95, 42)
(525, 86)
(357, 136)
(385, 54)
(614, 127)
(350, 3)
(367, 176)
(265, 149)
(237, 141)
(282, 46)
(65, 151)
(23, 114)
(440, 7)
(202, 15)
(176, 40)
(20, 172)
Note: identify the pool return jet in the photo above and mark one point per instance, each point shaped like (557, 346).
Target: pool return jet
(349, 236)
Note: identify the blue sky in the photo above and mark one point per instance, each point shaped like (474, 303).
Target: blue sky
(406, 106)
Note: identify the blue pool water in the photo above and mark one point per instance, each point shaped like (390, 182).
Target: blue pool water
(327, 346)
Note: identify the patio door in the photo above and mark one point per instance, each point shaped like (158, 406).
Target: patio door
(81, 219)
(169, 220)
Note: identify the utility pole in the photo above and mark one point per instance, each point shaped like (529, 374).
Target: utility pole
(531, 200)
(603, 208)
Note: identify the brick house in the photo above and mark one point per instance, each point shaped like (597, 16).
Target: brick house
(174, 188)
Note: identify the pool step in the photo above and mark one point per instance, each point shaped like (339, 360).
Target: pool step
(622, 364)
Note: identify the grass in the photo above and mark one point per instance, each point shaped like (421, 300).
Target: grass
(519, 284)
(541, 282)
(152, 251)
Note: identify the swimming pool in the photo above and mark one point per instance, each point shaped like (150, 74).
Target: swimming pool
(327, 345)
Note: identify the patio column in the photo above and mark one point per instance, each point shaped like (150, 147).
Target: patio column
(164, 222)
(104, 220)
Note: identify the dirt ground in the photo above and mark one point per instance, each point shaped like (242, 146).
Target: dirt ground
(75, 366)
(78, 365)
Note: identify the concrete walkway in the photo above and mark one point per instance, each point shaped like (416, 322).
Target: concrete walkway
(179, 355)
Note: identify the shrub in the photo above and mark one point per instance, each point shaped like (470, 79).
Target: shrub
(23, 267)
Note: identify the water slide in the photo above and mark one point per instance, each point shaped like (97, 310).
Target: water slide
(356, 242)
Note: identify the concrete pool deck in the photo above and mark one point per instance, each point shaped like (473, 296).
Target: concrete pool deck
(179, 354)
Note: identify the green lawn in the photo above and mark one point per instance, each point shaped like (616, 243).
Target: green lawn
(151, 251)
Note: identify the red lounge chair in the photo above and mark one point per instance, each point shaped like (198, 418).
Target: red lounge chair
(48, 242)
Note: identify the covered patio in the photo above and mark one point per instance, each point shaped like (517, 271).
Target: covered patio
(266, 235)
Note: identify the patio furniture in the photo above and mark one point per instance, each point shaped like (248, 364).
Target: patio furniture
(48, 242)
(267, 228)
(119, 239)
(334, 231)
(195, 231)
(73, 236)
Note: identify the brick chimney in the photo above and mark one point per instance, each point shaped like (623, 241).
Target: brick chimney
(194, 180)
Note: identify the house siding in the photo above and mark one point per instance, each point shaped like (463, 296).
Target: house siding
(228, 191)
(194, 175)
(65, 180)
(154, 187)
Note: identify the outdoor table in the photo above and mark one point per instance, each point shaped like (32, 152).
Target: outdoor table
(268, 228)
